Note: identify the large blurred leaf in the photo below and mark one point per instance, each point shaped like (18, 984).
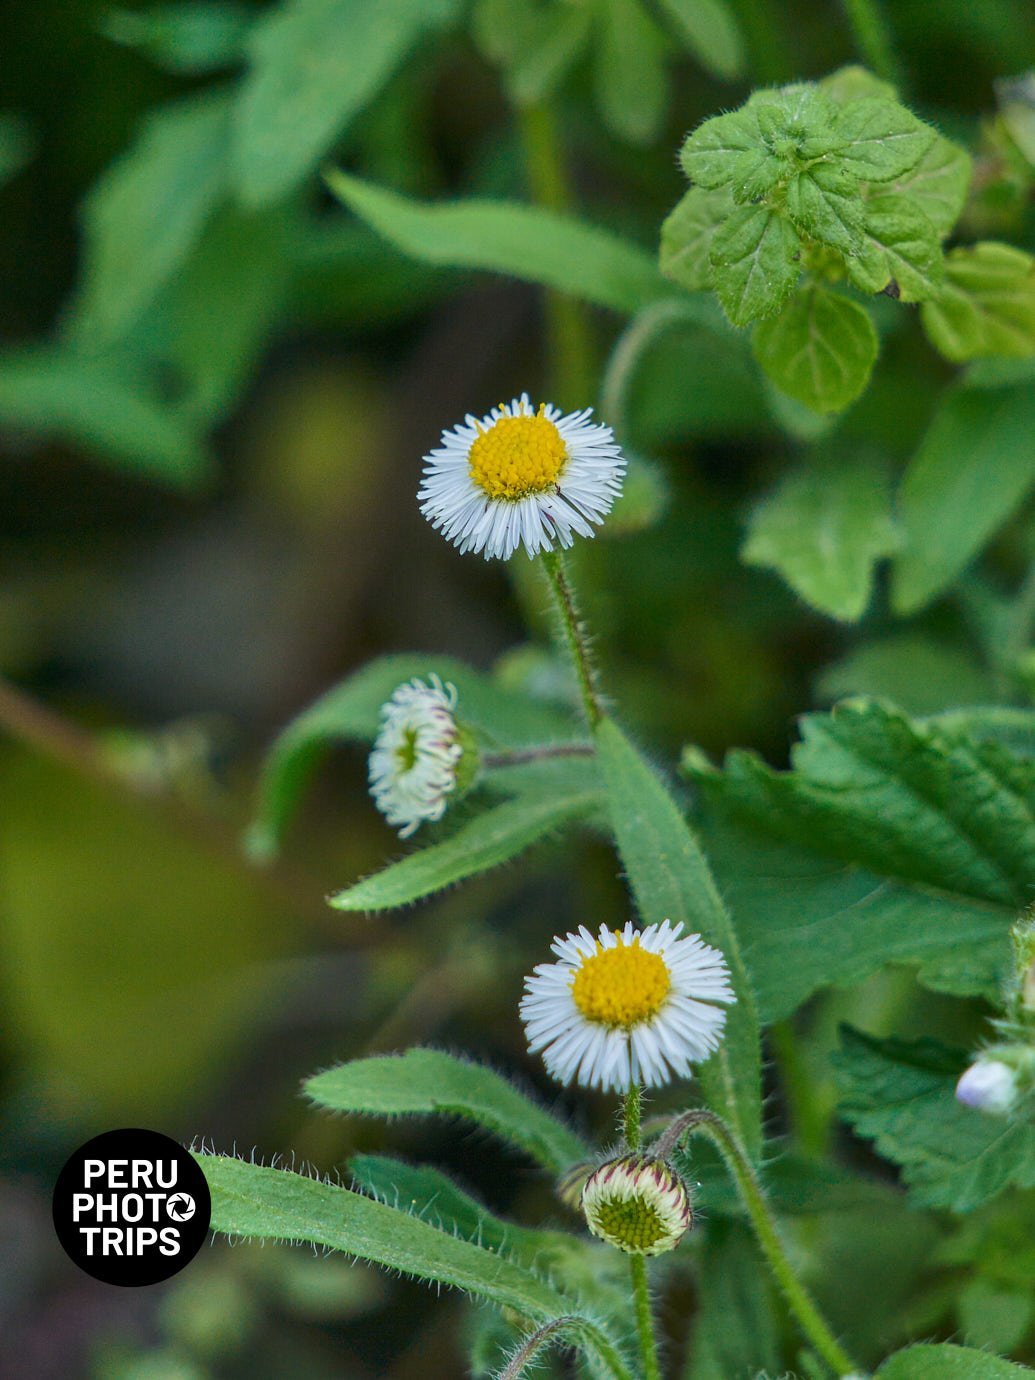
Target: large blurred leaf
(735, 1331)
(314, 65)
(709, 30)
(823, 530)
(142, 218)
(113, 417)
(631, 83)
(921, 675)
(949, 505)
(534, 42)
(671, 880)
(507, 237)
(351, 713)
(426, 1082)
(947, 1362)
(493, 836)
(902, 1096)
(192, 37)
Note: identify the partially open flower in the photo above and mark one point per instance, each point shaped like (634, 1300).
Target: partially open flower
(630, 1006)
(988, 1085)
(638, 1204)
(521, 475)
(417, 754)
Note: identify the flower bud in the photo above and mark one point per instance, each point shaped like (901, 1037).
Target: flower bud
(638, 1204)
(988, 1085)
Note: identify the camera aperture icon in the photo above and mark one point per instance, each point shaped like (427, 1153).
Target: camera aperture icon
(180, 1207)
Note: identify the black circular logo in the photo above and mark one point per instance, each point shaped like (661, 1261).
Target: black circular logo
(131, 1207)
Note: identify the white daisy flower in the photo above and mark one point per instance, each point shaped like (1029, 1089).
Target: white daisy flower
(631, 1006)
(638, 1204)
(521, 474)
(413, 766)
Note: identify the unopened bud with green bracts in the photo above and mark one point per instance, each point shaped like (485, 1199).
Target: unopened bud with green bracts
(638, 1204)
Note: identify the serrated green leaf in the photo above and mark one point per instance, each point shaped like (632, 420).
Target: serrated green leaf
(882, 139)
(631, 85)
(671, 880)
(947, 507)
(494, 836)
(712, 153)
(755, 263)
(315, 64)
(710, 31)
(901, 1095)
(938, 184)
(898, 244)
(427, 1082)
(921, 801)
(687, 234)
(534, 43)
(350, 712)
(986, 305)
(947, 1362)
(253, 1202)
(825, 203)
(820, 349)
(823, 530)
(507, 237)
(144, 216)
(189, 38)
(855, 83)
(88, 404)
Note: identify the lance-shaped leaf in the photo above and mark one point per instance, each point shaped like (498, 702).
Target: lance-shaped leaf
(985, 306)
(819, 350)
(755, 263)
(901, 1094)
(881, 139)
(507, 237)
(671, 880)
(427, 1082)
(944, 1361)
(493, 836)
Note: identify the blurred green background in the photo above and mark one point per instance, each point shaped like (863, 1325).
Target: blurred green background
(212, 413)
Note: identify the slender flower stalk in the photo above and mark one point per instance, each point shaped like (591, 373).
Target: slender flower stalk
(574, 632)
(637, 1263)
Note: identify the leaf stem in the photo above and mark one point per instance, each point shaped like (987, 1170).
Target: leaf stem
(574, 633)
(872, 38)
(798, 1297)
(517, 757)
(637, 1263)
(567, 325)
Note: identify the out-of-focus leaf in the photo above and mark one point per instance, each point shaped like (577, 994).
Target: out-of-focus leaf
(820, 349)
(917, 673)
(901, 1095)
(117, 420)
(16, 146)
(630, 80)
(823, 530)
(946, 1362)
(755, 263)
(493, 836)
(427, 1082)
(938, 184)
(995, 1317)
(314, 65)
(986, 305)
(146, 213)
(534, 42)
(190, 38)
(507, 237)
(710, 31)
(351, 713)
(948, 508)
(671, 880)
(735, 1329)
(855, 83)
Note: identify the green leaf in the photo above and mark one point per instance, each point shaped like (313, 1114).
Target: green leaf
(671, 880)
(710, 31)
(882, 139)
(824, 203)
(534, 43)
(755, 263)
(735, 1329)
(823, 530)
(145, 214)
(986, 306)
(687, 234)
(820, 349)
(16, 145)
(630, 84)
(855, 83)
(918, 673)
(315, 64)
(716, 150)
(946, 1362)
(938, 184)
(188, 39)
(947, 507)
(898, 244)
(901, 1095)
(426, 1082)
(87, 404)
(253, 1202)
(922, 801)
(506, 237)
(492, 837)
(351, 712)
(993, 1316)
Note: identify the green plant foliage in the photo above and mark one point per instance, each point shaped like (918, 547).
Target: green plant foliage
(735, 1332)
(820, 350)
(947, 1363)
(901, 1095)
(630, 78)
(534, 44)
(986, 306)
(844, 510)
(709, 29)
(754, 262)
(187, 38)
(425, 1082)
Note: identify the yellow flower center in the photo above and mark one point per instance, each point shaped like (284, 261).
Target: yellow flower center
(629, 1223)
(518, 456)
(622, 986)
